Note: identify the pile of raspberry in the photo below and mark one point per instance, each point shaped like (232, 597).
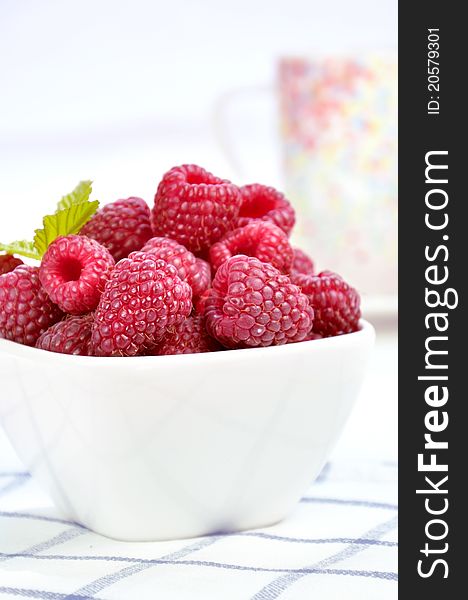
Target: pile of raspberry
(209, 267)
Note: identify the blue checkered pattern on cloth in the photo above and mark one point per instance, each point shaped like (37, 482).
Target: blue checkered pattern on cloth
(339, 542)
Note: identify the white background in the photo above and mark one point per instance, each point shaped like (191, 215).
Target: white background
(119, 91)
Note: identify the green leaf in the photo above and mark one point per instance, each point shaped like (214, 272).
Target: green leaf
(21, 247)
(80, 194)
(64, 222)
(73, 211)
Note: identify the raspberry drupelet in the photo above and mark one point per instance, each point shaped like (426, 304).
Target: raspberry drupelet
(190, 337)
(200, 302)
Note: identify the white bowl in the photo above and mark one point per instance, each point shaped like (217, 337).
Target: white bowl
(153, 448)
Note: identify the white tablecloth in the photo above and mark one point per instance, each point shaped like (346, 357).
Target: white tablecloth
(339, 542)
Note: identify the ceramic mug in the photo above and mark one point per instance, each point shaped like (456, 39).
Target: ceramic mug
(338, 155)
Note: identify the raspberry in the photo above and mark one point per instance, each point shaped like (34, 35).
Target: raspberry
(260, 239)
(189, 337)
(8, 262)
(336, 304)
(252, 304)
(26, 310)
(194, 207)
(73, 272)
(70, 336)
(204, 276)
(260, 202)
(195, 271)
(121, 227)
(200, 302)
(143, 298)
(312, 336)
(302, 263)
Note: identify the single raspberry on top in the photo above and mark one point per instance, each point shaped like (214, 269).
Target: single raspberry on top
(261, 239)
(70, 336)
(261, 202)
(142, 300)
(195, 271)
(194, 207)
(252, 304)
(336, 304)
(8, 262)
(26, 310)
(189, 337)
(122, 226)
(73, 272)
(302, 263)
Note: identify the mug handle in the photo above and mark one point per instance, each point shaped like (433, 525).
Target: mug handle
(220, 123)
